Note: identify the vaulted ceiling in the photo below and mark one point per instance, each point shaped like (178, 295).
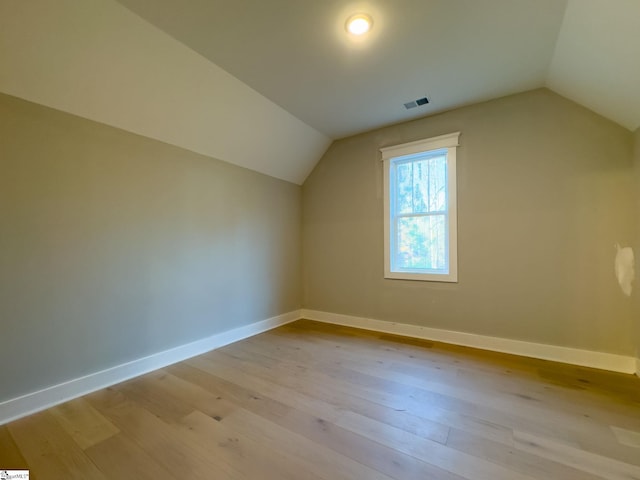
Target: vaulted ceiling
(267, 84)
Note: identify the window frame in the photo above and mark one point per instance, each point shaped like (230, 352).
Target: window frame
(448, 142)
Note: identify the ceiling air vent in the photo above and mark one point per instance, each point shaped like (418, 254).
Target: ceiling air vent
(416, 103)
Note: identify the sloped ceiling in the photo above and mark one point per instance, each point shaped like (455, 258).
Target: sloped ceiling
(266, 84)
(98, 60)
(298, 54)
(597, 58)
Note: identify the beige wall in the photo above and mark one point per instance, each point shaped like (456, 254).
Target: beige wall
(636, 313)
(544, 193)
(114, 246)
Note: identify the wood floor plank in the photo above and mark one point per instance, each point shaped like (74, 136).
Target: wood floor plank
(10, 456)
(85, 425)
(50, 452)
(268, 461)
(191, 396)
(224, 390)
(263, 430)
(178, 453)
(431, 420)
(119, 457)
(142, 393)
(369, 451)
(435, 379)
(428, 451)
(264, 410)
(320, 430)
(627, 437)
(291, 440)
(532, 414)
(341, 391)
(322, 401)
(543, 409)
(575, 457)
(514, 459)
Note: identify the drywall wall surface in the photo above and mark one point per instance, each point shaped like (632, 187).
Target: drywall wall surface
(114, 246)
(544, 195)
(636, 191)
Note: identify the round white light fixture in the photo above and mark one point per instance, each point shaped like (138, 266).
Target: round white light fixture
(359, 24)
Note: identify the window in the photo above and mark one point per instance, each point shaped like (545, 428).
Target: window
(420, 210)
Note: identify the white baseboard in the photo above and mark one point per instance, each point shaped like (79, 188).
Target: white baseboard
(56, 394)
(574, 356)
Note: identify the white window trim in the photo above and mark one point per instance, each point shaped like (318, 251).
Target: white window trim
(449, 142)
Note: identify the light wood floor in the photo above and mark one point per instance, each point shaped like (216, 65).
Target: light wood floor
(314, 401)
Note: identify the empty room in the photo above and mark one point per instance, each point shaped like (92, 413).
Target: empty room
(319, 239)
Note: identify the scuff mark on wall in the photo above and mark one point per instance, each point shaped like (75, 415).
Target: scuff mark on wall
(624, 268)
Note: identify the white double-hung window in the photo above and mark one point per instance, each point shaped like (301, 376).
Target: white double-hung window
(420, 210)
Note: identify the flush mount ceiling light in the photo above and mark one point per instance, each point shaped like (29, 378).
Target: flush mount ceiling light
(359, 24)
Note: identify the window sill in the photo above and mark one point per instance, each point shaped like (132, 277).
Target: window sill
(422, 277)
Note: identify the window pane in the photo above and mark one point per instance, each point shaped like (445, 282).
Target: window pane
(420, 185)
(404, 189)
(438, 184)
(421, 243)
(429, 185)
